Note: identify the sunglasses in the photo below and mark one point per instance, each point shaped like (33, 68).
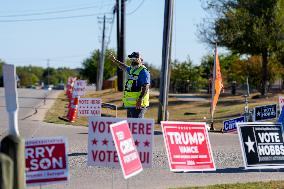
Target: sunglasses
(133, 59)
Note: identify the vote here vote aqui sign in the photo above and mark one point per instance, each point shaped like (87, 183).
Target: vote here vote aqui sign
(126, 150)
(89, 107)
(262, 145)
(79, 87)
(46, 160)
(188, 146)
(231, 125)
(265, 112)
(101, 148)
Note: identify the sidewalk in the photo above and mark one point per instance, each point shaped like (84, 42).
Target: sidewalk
(44, 106)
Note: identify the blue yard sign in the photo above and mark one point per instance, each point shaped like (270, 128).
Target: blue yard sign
(281, 117)
(231, 126)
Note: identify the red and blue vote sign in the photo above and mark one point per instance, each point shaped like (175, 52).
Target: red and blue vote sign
(128, 156)
(46, 160)
(101, 148)
(188, 146)
(231, 125)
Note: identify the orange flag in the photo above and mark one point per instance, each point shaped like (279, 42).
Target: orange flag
(217, 83)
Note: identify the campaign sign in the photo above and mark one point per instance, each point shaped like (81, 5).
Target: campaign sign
(101, 148)
(89, 107)
(281, 117)
(46, 160)
(230, 125)
(79, 87)
(281, 102)
(188, 146)
(265, 112)
(262, 145)
(128, 156)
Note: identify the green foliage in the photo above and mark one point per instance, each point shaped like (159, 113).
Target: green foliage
(249, 185)
(34, 75)
(186, 77)
(253, 27)
(90, 66)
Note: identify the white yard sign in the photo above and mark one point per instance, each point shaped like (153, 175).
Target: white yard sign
(101, 148)
(79, 87)
(89, 107)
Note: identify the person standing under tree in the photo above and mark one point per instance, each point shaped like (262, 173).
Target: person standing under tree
(136, 90)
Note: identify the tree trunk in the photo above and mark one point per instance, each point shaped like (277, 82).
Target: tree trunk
(264, 73)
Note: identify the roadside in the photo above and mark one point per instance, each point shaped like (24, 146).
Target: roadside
(41, 109)
(181, 107)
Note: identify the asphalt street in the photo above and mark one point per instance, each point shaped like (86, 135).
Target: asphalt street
(226, 151)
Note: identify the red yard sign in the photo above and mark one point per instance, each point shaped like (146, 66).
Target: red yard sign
(46, 160)
(188, 146)
(126, 150)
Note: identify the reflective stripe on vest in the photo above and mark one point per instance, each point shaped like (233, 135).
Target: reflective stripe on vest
(132, 91)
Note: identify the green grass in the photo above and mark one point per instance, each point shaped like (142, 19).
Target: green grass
(227, 107)
(250, 185)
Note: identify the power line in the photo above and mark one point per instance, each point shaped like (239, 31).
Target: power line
(54, 18)
(53, 12)
(110, 32)
(141, 3)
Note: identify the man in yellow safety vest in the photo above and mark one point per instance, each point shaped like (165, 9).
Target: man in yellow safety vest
(136, 91)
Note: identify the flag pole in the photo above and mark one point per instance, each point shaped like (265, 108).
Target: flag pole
(213, 90)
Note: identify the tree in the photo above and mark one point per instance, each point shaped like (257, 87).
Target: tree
(226, 61)
(185, 76)
(250, 27)
(90, 65)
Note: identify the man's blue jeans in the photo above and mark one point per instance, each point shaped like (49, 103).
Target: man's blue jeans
(136, 113)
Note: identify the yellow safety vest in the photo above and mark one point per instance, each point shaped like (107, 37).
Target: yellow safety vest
(132, 91)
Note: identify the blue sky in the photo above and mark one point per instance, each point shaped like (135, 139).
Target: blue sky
(67, 42)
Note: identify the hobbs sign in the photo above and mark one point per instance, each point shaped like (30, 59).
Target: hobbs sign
(188, 146)
(46, 160)
(262, 145)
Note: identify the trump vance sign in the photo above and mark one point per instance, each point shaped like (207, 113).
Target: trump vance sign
(188, 146)
(262, 145)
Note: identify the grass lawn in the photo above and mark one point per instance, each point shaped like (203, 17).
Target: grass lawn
(250, 185)
(227, 107)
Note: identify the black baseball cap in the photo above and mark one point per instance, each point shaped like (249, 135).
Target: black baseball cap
(134, 55)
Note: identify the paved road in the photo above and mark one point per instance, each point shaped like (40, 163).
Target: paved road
(226, 150)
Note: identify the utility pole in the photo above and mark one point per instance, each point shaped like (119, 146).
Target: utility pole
(48, 73)
(166, 52)
(100, 72)
(120, 14)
